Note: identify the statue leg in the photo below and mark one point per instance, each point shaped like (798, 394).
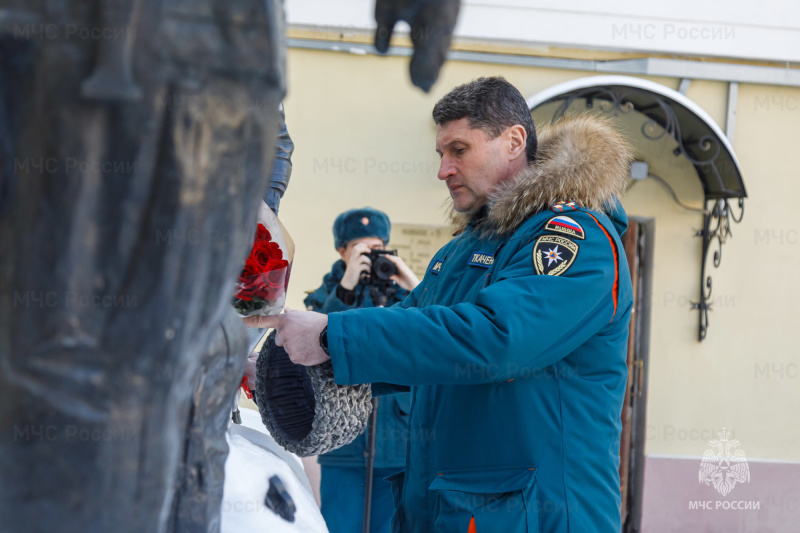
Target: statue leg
(198, 494)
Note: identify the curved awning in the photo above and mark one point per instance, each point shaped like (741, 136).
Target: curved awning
(663, 112)
(670, 134)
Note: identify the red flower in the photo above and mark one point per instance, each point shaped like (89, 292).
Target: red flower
(262, 233)
(262, 258)
(265, 273)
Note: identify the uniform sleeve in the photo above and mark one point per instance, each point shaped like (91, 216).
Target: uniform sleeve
(386, 389)
(522, 321)
(334, 304)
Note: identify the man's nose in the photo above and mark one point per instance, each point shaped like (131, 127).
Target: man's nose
(446, 169)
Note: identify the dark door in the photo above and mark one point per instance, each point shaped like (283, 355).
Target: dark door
(638, 242)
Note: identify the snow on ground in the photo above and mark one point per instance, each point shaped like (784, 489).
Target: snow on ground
(255, 457)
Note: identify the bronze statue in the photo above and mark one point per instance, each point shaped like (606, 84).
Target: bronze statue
(136, 142)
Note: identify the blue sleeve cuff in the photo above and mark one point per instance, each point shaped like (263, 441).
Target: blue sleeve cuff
(336, 349)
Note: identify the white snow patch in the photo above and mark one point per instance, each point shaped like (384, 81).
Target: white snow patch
(254, 457)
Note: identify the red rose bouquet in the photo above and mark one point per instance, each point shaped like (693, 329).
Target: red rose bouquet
(261, 288)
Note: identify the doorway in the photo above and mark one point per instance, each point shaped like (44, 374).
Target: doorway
(639, 244)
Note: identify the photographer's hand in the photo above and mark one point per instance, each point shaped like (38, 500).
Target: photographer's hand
(357, 264)
(405, 277)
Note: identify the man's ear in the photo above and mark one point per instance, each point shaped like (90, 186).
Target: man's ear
(518, 139)
(341, 251)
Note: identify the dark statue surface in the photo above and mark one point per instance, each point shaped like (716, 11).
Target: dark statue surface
(124, 221)
(201, 467)
(136, 143)
(201, 473)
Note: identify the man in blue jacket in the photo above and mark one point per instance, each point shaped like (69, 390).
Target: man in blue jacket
(514, 342)
(355, 233)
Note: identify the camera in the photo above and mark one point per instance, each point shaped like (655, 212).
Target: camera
(382, 267)
(381, 286)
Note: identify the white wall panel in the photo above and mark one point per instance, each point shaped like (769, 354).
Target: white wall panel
(768, 30)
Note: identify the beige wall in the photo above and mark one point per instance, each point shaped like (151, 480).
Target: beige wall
(364, 136)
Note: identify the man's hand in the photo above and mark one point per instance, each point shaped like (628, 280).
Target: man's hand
(298, 332)
(405, 277)
(357, 264)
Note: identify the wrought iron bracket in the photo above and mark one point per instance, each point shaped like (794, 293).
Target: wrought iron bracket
(716, 227)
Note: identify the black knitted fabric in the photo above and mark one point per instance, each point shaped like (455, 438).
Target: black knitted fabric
(303, 408)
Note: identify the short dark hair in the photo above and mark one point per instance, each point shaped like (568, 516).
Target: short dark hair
(491, 104)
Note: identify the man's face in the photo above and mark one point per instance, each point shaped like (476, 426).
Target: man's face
(472, 164)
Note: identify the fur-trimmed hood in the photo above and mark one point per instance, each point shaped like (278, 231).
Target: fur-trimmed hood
(582, 159)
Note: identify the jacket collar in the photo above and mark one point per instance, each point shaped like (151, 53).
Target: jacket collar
(332, 278)
(480, 217)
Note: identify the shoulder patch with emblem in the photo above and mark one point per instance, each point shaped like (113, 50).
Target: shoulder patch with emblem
(553, 254)
(437, 267)
(566, 225)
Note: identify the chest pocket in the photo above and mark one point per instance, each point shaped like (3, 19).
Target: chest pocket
(464, 271)
(455, 282)
(480, 267)
(432, 278)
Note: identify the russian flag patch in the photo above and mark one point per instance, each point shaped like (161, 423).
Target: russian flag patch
(566, 225)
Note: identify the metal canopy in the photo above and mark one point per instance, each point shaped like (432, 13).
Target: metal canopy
(698, 137)
(668, 131)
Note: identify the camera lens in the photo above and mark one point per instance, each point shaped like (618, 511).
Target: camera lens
(384, 268)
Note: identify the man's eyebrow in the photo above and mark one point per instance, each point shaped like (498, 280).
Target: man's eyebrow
(450, 143)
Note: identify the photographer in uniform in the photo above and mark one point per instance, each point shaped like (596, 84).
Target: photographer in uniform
(359, 235)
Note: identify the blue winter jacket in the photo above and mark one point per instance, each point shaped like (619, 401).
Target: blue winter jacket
(514, 346)
(391, 429)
